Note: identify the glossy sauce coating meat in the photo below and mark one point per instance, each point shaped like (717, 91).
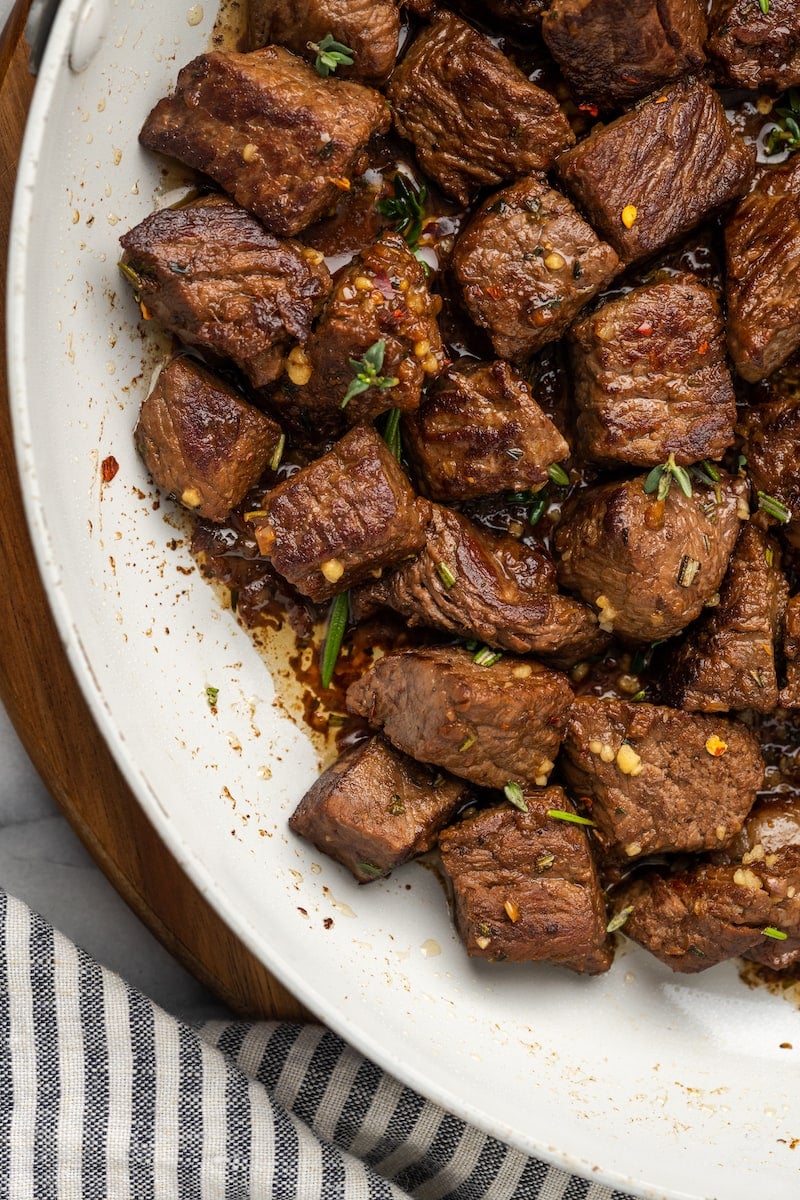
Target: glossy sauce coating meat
(479, 430)
(612, 52)
(753, 48)
(211, 274)
(268, 130)
(688, 163)
(369, 28)
(527, 263)
(341, 518)
(648, 565)
(771, 435)
(454, 79)
(201, 441)
(651, 377)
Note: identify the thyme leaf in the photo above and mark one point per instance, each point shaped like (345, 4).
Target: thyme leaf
(330, 55)
(367, 373)
(406, 208)
(337, 623)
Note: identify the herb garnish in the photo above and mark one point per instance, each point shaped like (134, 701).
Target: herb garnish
(777, 934)
(391, 433)
(446, 575)
(560, 815)
(330, 55)
(406, 208)
(337, 623)
(786, 133)
(660, 479)
(774, 508)
(764, 6)
(370, 869)
(486, 657)
(619, 919)
(211, 696)
(558, 475)
(514, 796)
(367, 373)
(277, 453)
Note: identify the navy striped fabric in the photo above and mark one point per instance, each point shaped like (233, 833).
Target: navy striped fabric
(103, 1096)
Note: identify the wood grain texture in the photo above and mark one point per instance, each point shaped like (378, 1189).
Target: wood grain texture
(52, 719)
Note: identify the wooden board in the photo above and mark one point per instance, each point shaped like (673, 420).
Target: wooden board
(49, 713)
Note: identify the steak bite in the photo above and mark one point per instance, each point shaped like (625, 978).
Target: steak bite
(648, 565)
(654, 779)
(489, 724)
(479, 430)
(494, 588)
(380, 298)
(374, 809)
(790, 693)
(454, 79)
(728, 658)
(369, 28)
(686, 162)
(527, 263)
(525, 887)
(710, 913)
(651, 377)
(344, 516)
(201, 442)
(612, 52)
(762, 245)
(771, 435)
(755, 49)
(269, 130)
(211, 274)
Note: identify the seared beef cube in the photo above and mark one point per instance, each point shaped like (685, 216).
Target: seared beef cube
(455, 82)
(653, 174)
(771, 438)
(269, 130)
(381, 297)
(790, 694)
(201, 442)
(492, 725)
(374, 809)
(710, 913)
(756, 49)
(213, 276)
(525, 886)
(478, 431)
(762, 243)
(494, 588)
(369, 28)
(728, 659)
(341, 518)
(517, 12)
(527, 263)
(651, 377)
(612, 52)
(648, 565)
(655, 779)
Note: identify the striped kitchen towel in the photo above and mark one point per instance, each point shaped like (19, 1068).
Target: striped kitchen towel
(104, 1096)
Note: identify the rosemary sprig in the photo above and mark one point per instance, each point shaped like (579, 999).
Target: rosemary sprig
(337, 623)
(774, 508)
(559, 815)
(367, 373)
(558, 475)
(391, 433)
(330, 55)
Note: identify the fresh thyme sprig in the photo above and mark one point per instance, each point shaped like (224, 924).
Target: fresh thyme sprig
(367, 373)
(330, 55)
(406, 208)
(660, 479)
(764, 6)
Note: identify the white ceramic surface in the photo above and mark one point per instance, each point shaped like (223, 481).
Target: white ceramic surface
(667, 1087)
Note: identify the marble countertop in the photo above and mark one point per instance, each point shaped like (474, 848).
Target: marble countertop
(44, 863)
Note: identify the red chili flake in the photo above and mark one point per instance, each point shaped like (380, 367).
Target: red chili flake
(630, 79)
(703, 348)
(399, 314)
(494, 291)
(591, 109)
(108, 468)
(645, 329)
